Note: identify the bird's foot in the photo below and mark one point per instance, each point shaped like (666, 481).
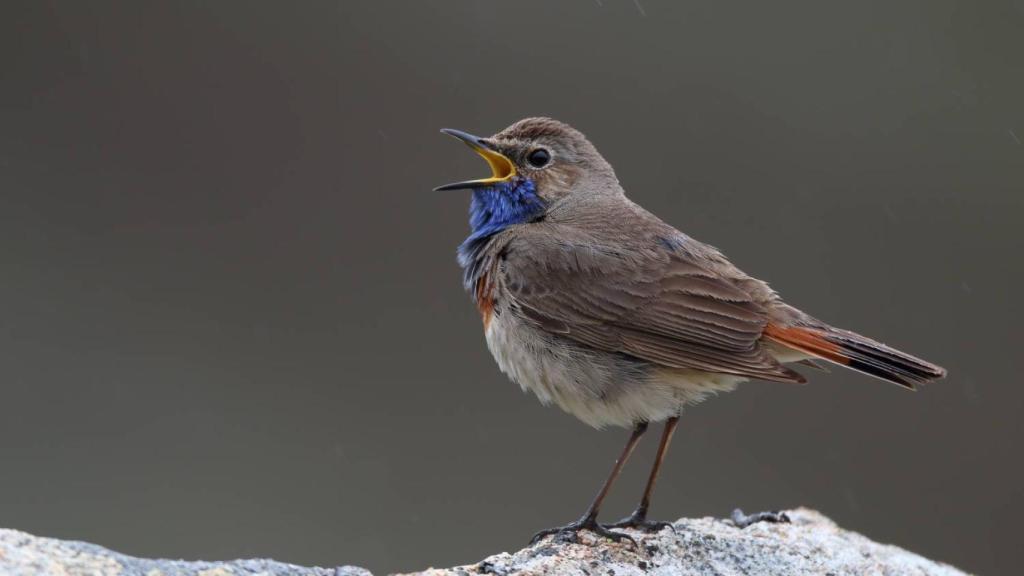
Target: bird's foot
(570, 532)
(742, 520)
(638, 521)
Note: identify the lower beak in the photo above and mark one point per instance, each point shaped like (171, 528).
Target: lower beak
(502, 169)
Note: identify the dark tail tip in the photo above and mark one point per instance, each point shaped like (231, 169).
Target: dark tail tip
(878, 360)
(857, 352)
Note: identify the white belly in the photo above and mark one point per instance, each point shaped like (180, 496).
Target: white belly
(598, 388)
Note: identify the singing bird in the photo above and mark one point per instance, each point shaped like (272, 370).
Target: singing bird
(599, 307)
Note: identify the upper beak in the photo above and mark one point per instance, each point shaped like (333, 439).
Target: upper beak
(502, 169)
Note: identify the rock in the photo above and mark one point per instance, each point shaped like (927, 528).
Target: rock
(812, 544)
(22, 554)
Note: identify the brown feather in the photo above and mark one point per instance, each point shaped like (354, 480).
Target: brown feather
(678, 308)
(857, 352)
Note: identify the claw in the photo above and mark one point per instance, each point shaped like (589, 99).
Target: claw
(570, 532)
(641, 523)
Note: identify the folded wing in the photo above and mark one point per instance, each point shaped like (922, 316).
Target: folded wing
(671, 305)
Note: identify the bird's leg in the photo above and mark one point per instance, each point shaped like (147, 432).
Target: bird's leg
(638, 519)
(589, 519)
(742, 520)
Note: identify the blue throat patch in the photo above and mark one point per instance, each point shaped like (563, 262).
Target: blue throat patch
(491, 210)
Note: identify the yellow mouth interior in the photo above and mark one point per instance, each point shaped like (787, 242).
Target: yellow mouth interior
(502, 168)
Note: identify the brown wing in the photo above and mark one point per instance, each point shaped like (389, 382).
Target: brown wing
(671, 306)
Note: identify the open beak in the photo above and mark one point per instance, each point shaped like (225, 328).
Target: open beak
(502, 168)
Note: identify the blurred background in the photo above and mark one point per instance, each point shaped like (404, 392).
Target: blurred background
(232, 325)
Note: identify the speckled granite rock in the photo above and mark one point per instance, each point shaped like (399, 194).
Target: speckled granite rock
(812, 544)
(22, 554)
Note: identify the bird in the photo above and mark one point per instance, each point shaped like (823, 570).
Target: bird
(598, 306)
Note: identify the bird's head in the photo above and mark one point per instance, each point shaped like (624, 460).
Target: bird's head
(549, 158)
(536, 165)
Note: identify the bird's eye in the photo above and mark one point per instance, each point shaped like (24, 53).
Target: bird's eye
(539, 158)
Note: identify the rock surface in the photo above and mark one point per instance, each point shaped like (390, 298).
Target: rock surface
(812, 544)
(23, 554)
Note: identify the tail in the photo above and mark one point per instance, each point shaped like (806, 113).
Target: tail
(857, 352)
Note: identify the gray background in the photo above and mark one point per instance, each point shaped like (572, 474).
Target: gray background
(231, 323)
